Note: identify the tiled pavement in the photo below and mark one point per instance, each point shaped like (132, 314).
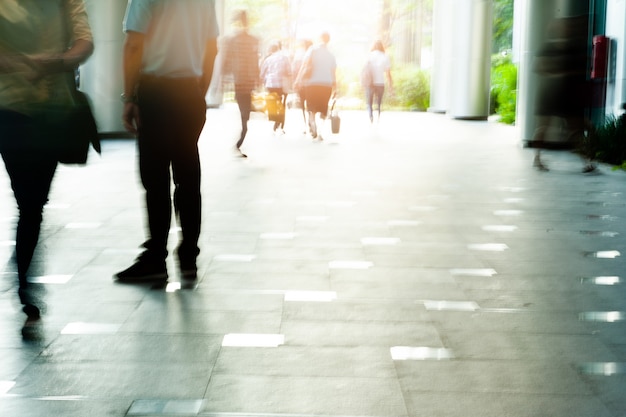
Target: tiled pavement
(419, 267)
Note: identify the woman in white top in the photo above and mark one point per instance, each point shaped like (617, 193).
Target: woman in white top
(378, 67)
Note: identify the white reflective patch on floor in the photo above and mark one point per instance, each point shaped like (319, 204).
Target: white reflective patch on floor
(488, 247)
(173, 286)
(479, 272)
(234, 257)
(601, 280)
(508, 213)
(5, 387)
(253, 340)
(599, 233)
(341, 204)
(312, 219)
(606, 254)
(278, 236)
(350, 264)
(602, 217)
(57, 206)
(422, 208)
(603, 368)
(116, 251)
(311, 296)
(222, 213)
(84, 225)
(165, 407)
(499, 228)
(438, 197)
(51, 279)
(364, 193)
(514, 200)
(91, 328)
(434, 305)
(511, 189)
(264, 201)
(380, 241)
(403, 223)
(63, 398)
(603, 316)
(407, 353)
(7, 243)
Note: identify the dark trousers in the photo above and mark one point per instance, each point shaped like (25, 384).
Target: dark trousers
(244, 101)
(173, 113)
(30, 171)
(374, 94)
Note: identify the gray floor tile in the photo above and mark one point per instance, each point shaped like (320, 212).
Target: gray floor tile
(302, 395)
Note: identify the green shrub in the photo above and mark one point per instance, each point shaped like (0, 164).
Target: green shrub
(503, 88)
(606, 143)
(411, 87)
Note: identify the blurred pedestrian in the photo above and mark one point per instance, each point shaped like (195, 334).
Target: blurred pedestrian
(241, 59)
(276, 74)
(41, 45)
(563, 93)
(168, 57)
(318, 78)
(296, 65)
(376, 72)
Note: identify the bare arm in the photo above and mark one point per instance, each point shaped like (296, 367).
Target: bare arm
(132, 57)
(210, 52)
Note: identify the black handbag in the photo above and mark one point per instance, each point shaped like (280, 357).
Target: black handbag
(68, 130)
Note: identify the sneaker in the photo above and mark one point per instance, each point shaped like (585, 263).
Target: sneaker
(143, 271)
(188, 269)
(32, 330)
(538, 163)
(189, 274)
(239, 153)
(31, 311)
(589, 168)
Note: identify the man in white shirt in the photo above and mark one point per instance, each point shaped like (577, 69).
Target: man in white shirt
(168, 59)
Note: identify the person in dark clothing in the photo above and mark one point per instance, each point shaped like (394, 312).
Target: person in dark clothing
(241, 59)
(40, 47)
(165, 85)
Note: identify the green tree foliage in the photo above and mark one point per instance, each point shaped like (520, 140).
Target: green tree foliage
(502, 25)
(503, 88)
(411, 89)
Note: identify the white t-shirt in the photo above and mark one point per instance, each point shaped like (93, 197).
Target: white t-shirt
(176, 34)
(379, 64)
(324, 66)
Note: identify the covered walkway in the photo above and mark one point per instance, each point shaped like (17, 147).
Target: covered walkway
(418, 267)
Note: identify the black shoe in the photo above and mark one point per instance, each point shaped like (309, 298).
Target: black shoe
(143, 271)
(188, 269)
(189, 274)
(589, 168)
(239, 153)
(32, 330)
(32, 311)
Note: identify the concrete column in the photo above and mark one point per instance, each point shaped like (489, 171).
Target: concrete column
(616, 31)
(533, 19)
(101, 75)
(471, 60)
(442, 55)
